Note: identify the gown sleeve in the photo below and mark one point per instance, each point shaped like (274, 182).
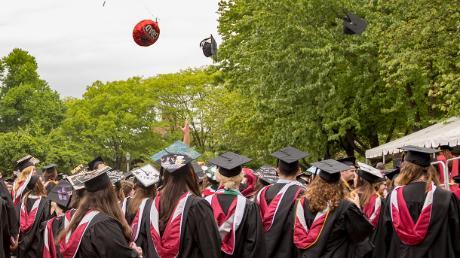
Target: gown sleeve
(254, 246)
(206, 233)
(383, 233)
(356, 224)
(105, 239)
(13, 223)
(454, 223)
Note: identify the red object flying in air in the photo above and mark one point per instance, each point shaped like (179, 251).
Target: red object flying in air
(146, 33)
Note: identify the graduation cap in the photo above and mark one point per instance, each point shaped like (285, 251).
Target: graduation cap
(353, 24)
(391, 173)
(418, 155)
(61, 193)
(330, 170)
(92, 165)
(230, 163)
(288, 158)
(369, 173)
(210, 172)
(79, 169)
(198, 171)
(25, 162)
(50, 166)
(173, 162)
(268, 174)
(77, 180)
(115, 175)
(147, 175)
(349, 161)
(209, 46)
(176, 148)
(97, 180)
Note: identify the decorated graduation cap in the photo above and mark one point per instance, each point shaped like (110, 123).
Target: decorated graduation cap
(25, 162)
(369, 173)
(418, 155)
(61, 193)
(268, 174)
(147, 175)
(288, 158)
(115, 176)
(349, 161)
(210, 172)
(92, 165)
(97, 180)
(230, 163)
(77, 180)
(198, 170)
(209, 46)
(391, 173)
(353, 24)
(177, 147)
(330, 170)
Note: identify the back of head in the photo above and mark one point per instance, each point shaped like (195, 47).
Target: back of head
(321, 194)
(288, 169)
(411, 172)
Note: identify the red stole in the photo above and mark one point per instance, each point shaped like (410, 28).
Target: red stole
(410, 233)
(208, 191)
(372, 209)
(71, 242)
(49, 248)
(17, 195)
(168, 244)
(27, 219)
(137, 221)
(305, 237)
(251, 181)
(268, 212)
(228, 223)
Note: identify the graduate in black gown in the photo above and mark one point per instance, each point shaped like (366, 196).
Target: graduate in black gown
(276, 203)
(420, 219)
(326, 224)
(180, 224)
(50, 176)
(136, 209)
(8, 223)
(98, 227)
(238, 218)
(33, 210)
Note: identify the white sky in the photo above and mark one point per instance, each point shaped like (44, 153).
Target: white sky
(77, 42)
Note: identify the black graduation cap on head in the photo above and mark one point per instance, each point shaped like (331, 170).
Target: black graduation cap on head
(115, 176)
(77, 180)
(268, 174)
(209, 46)
(93, 163)
(97, 180)
(172, 162)
(50, 166)
(230, 163)
(147, 175)
(369, 173)
(330, 170)
(198, 171)
(349, 161)
(418, 155)
(353, 24)
(288, 158)
(25, 162)
(391, 173)
(61, 193)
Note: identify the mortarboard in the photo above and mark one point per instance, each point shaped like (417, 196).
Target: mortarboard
(61, 193)
(353, 24)
(92, 165)
(147, 175)
(50, 166)
(209, 46)
(97, 180)
(369, 173)
(115, 175)
(77, 180)
(288, 158)
(267, 174)
(349, 161)
(198, 171)
(330, 170)
(210, 172)
(79, 169)
(391, 173)
(230, 163)
(176, 148)
(173, 162)
(418, 155)
(25, 162)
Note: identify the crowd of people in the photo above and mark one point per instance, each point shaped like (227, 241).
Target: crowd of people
(336, 208)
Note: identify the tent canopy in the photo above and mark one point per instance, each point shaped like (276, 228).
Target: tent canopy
(443, 133)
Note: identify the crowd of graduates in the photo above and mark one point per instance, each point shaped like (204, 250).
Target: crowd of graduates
(184, 208)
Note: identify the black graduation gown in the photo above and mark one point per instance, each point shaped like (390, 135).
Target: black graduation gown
(143, 238)
(444, 230)
(278, 240)
(249, 239)
(344, 227)
(8, 221)
(104, 238)
(30, 242)
(199, 237)
(57, 226)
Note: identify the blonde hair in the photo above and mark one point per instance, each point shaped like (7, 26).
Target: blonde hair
(23, 176)
(229, 182)
(411, 172)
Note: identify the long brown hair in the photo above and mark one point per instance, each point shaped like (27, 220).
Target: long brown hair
(365, 191)
(38, 190)
(411, 172)
(104, 201)
(320, 194)
(141, 193)
(175, 185)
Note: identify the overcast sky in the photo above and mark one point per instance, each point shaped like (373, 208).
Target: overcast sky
(77, 42)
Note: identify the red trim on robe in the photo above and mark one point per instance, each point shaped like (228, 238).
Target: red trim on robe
(372, 209)
(27, 219)
(71, 242)
(251, 181)
(304, 237)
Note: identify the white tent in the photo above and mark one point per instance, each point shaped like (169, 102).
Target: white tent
(443, 133)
